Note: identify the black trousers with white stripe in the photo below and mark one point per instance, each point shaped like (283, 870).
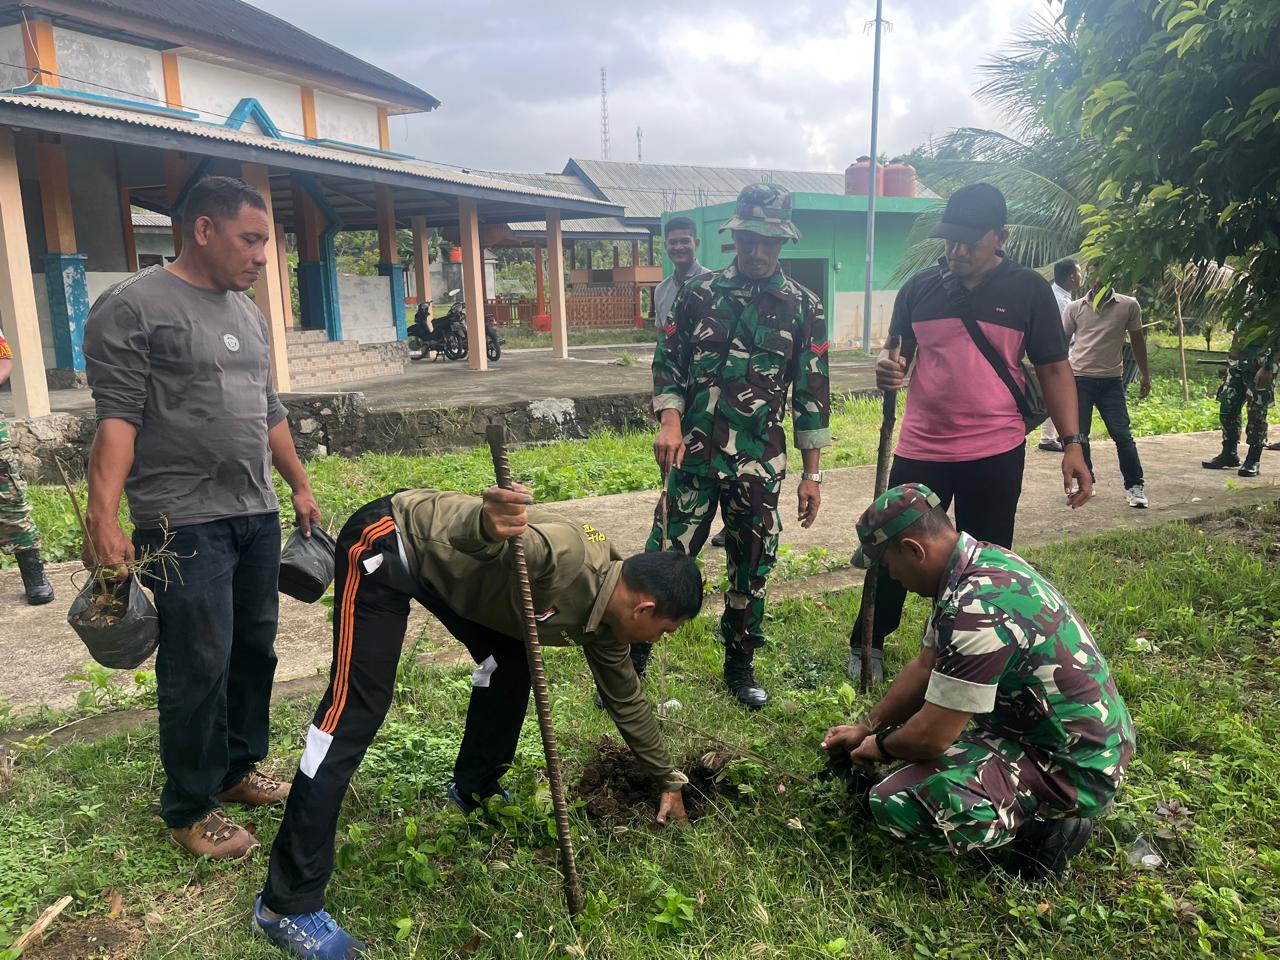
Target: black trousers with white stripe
(372, 590)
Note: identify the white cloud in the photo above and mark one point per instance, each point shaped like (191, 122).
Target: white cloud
(779, 84)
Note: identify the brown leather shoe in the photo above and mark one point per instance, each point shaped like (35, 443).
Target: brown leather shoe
(255, 790)
(215, 837)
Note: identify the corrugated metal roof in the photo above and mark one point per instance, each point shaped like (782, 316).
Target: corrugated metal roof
(561, 182)
(242, 25)
(602, 228)
(415, 168)
(648, 190)
(145, 218)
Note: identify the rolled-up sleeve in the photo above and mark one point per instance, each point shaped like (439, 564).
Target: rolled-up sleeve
(974, 648)
(811, 391)
(631, 711)
(117, 356)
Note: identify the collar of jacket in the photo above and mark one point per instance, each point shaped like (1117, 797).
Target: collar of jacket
(961, 557)
(607, 586)
(731, 279)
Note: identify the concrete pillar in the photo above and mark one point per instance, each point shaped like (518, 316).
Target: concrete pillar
(389, 264)
(537, 275)
(126, 224)
(555, 280)
(64, 267)
(177, 170)
(421, 262)
(17, 293)
(472, 282)
(311, 286)
(286, 296)
(267, 292)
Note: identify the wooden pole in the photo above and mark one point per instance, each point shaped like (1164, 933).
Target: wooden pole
(1182, 347)
(496, 435)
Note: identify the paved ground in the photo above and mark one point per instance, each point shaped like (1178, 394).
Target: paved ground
(40, 647)
(527, 374)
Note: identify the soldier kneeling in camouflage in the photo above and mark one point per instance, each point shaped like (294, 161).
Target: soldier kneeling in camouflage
(1050, 738)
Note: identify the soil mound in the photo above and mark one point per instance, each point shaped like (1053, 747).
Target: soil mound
(614, 788)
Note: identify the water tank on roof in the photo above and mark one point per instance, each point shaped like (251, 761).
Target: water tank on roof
(858, 175)
(899, 180)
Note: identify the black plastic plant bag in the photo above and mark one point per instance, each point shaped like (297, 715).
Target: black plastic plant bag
(120, 632)
(306, 565)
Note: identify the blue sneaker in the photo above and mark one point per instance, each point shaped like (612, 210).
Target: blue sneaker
(311, 936)
(466, 804)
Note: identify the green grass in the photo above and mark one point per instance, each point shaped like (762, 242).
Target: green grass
(584, 337)
(1188, 621)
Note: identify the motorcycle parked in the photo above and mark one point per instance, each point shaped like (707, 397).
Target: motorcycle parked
(445, 337)
(449, 336)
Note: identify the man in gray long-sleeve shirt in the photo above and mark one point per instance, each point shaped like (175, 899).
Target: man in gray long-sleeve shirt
(189, 428)
(680, 237)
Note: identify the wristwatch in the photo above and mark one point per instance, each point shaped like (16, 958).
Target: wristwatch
(883, 735)
(815, 477)
(1079, 438)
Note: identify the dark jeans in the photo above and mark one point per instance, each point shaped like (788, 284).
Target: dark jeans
(372, 591)
(1107, 394)
(986, 496)
(219, 607)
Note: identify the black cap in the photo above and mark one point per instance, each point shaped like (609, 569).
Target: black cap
(971, 212)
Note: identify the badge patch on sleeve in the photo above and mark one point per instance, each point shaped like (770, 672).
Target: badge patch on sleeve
(546, 614)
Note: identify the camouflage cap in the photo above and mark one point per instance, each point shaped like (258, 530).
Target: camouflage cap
(891, 513)
(765, 209)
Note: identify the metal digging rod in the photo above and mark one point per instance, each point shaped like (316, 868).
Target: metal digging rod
(496, 434)
(887, 419)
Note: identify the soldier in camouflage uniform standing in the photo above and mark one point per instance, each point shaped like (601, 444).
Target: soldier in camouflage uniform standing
(1051, 737)
(18, 535)
(1249, 380)
(738, 340)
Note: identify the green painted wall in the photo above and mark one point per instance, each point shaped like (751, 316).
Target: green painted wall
(834, 229)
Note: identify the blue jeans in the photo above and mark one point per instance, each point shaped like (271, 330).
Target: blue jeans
(218, 603)
(1107, 394)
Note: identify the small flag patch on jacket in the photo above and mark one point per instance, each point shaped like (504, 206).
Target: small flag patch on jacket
(546, 614)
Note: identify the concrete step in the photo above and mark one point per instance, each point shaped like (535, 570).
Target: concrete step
(313, 364)
(298, 335)
(314, 380)
(308, 348)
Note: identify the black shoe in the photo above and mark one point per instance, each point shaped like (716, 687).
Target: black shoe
(1050, 446)
(718, 539)
(1252, 465)
(34, 582)
(1274, 446)
(853, 669)
(740, 678)
(1042, 848)
(1226, 460)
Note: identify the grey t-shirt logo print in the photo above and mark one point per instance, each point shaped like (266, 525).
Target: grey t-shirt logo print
(232, 343)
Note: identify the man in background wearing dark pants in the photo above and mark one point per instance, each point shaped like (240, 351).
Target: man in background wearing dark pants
(962, 434)
(1066, 281)
(1096, 336)
(189, 428)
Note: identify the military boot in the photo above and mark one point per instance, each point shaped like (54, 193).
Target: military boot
(1252, 465)
(34, 582)
(1226, 460)
(1043, 848)
(740, 678)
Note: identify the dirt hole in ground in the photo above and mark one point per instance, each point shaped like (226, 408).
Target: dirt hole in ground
(615, 788)
(92, 938)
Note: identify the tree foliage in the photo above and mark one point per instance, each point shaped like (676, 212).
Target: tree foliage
(1044, 175)
(1181, 99)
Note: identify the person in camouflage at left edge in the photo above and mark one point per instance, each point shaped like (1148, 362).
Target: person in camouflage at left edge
(18, 535)
(737, 342)
(1051, 738)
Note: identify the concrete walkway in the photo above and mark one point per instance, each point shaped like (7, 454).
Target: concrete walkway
(41, 649)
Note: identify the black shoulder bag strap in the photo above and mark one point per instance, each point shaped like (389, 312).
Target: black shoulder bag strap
(997, 362)
(958, 294)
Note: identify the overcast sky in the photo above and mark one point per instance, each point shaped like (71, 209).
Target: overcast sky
(782, 85)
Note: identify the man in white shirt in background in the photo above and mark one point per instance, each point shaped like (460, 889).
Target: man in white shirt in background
(1066, 281)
